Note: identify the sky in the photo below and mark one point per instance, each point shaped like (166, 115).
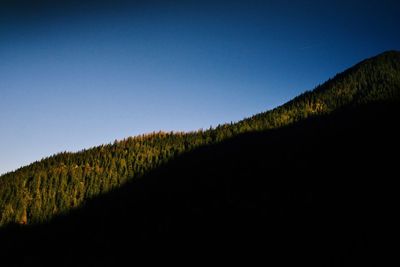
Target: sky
(76, 74)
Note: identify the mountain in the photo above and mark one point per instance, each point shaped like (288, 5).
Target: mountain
(36, 193)
(307, 182)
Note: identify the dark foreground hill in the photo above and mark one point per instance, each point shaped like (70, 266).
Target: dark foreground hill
(320, 192)
(309, 183)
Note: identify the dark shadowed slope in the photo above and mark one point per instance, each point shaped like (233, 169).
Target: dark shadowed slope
(316, 191)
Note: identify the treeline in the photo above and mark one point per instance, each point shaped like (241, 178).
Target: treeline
(54, 185)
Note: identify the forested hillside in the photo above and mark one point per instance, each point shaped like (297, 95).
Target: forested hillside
(320, 192)
(55, 185)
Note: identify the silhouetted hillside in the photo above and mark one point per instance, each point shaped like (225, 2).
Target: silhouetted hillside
(315, 192)
(306, 183)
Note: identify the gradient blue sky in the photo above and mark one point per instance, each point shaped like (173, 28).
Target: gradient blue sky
(75, 75)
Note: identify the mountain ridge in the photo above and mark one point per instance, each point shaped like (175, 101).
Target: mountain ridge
(389, 53)
(297, 185)
(95, 171)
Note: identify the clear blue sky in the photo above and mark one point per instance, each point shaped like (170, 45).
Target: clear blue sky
(75, 75)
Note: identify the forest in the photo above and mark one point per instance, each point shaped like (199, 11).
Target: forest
(60, 183)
